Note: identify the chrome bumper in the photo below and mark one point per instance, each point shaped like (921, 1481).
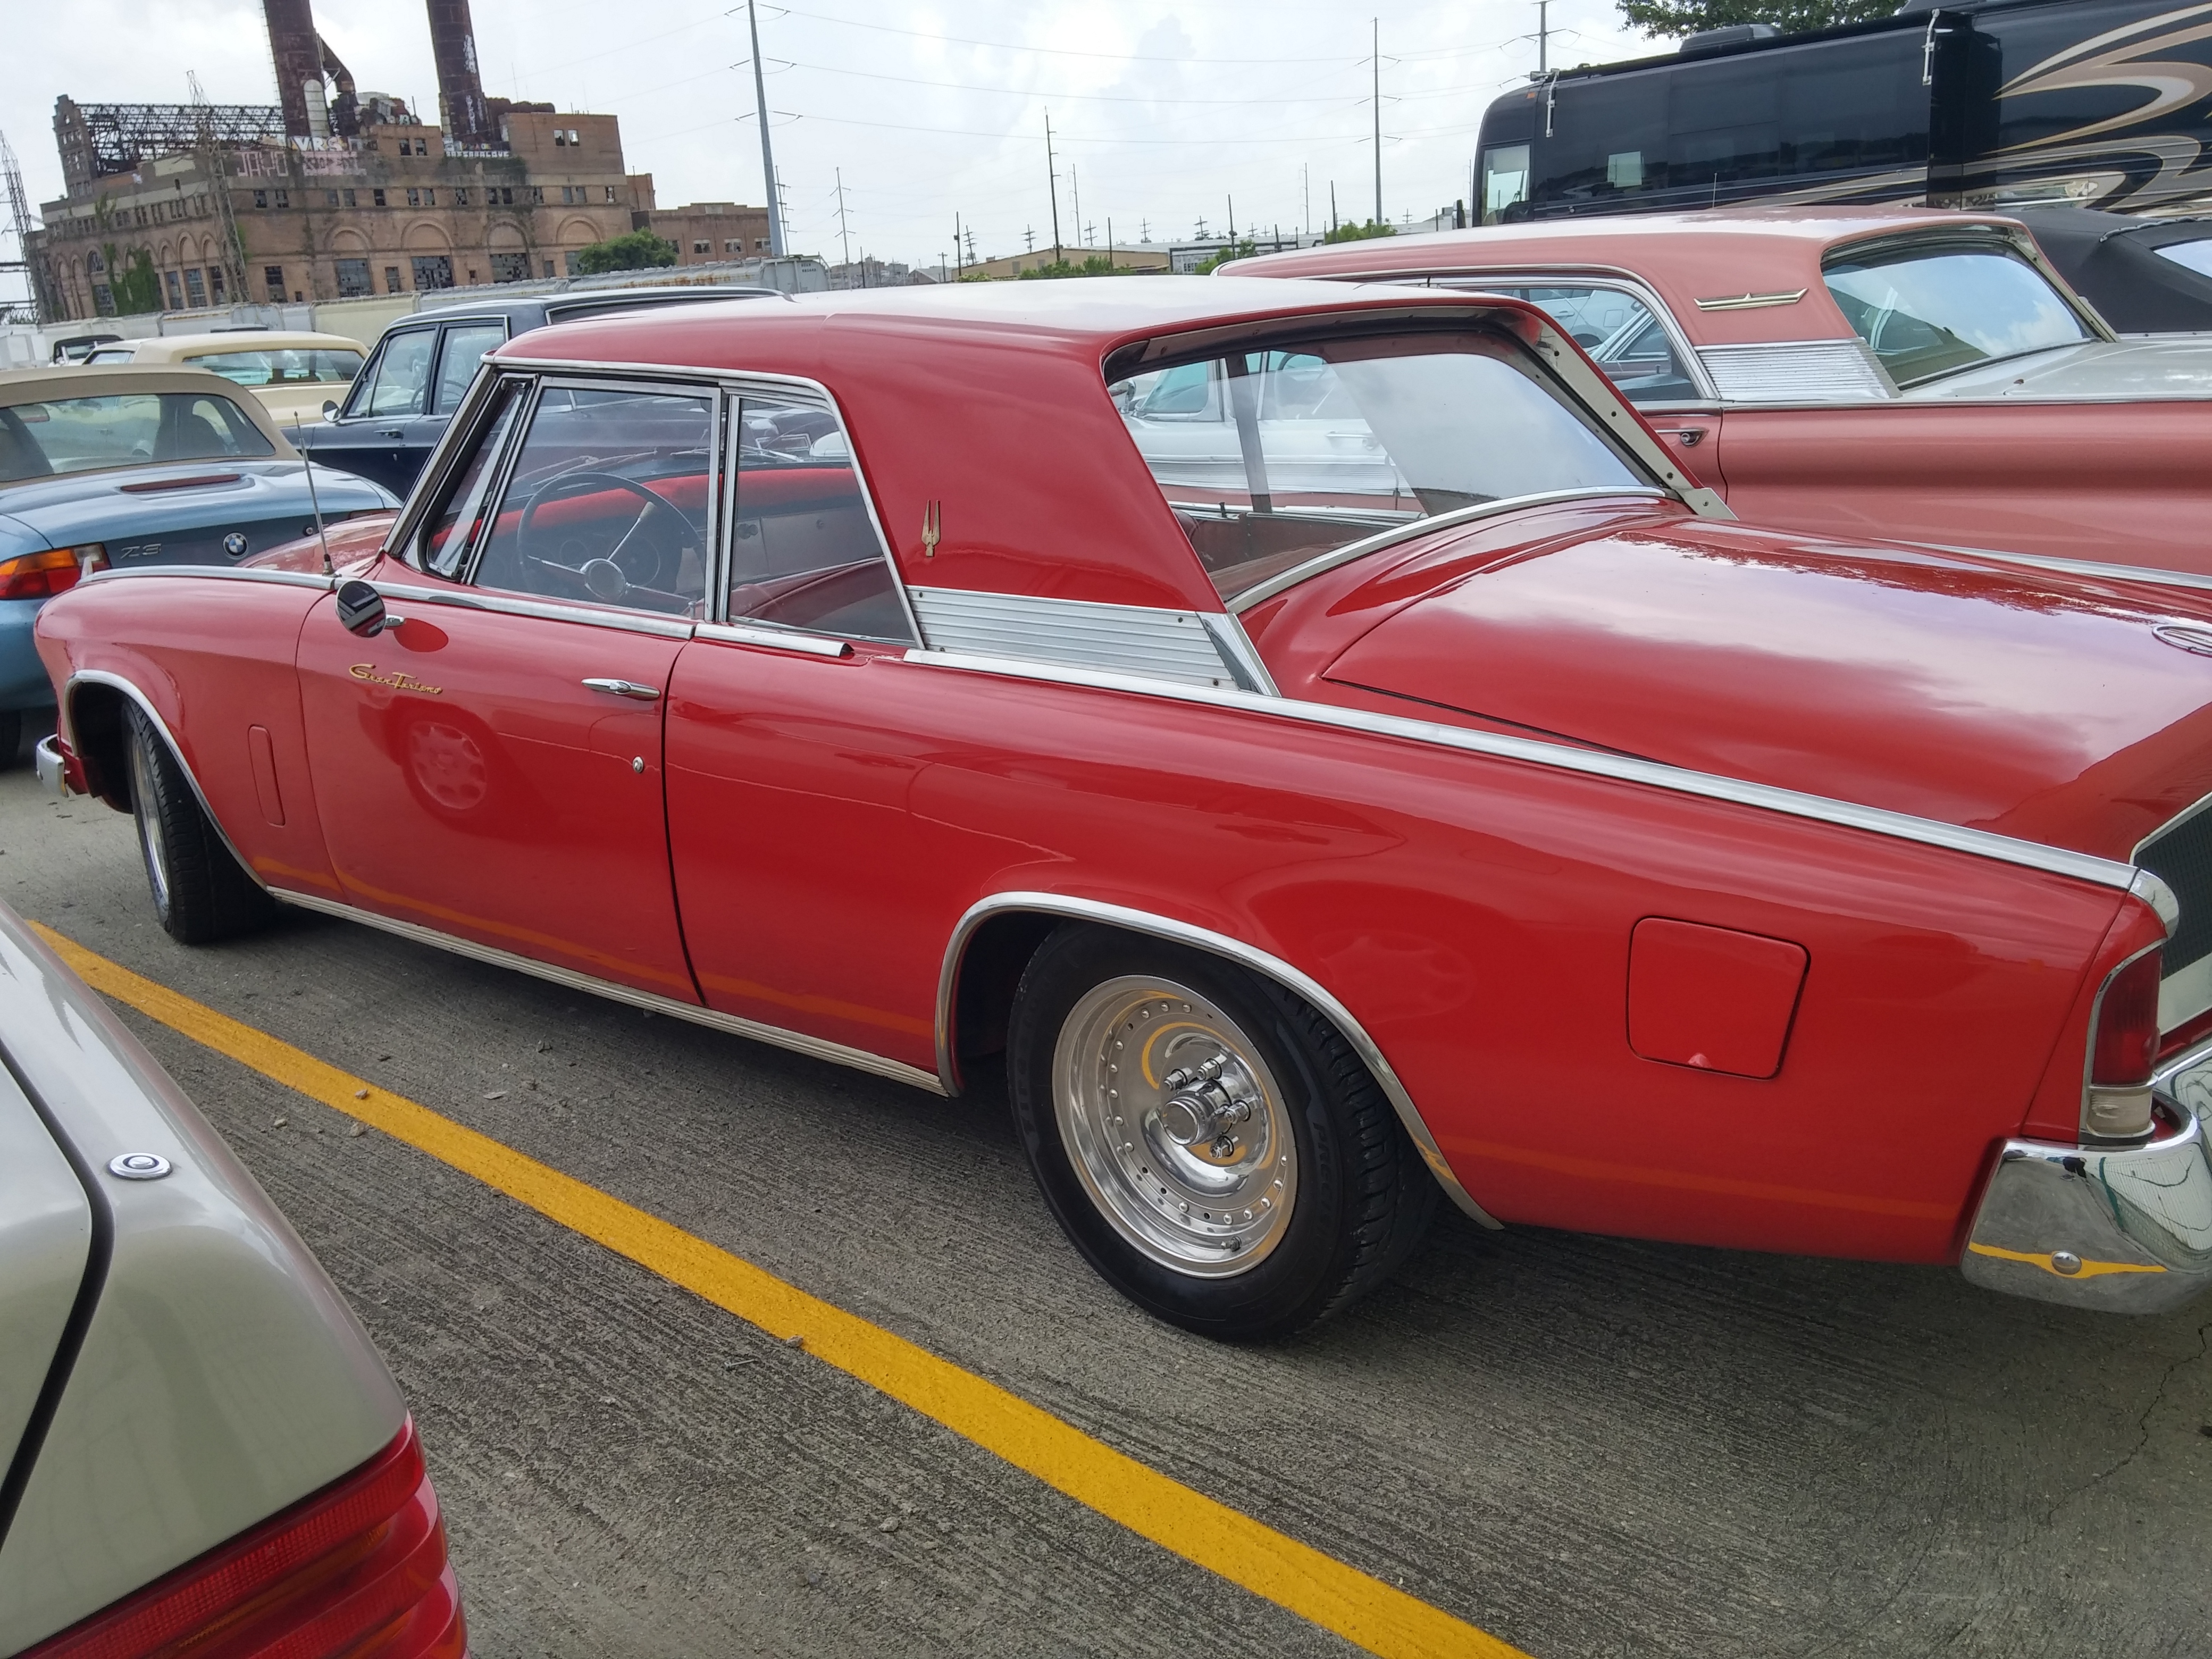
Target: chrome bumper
(53, 769)
(2123, 1229)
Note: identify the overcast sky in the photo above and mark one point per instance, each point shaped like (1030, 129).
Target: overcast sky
(1162, 110)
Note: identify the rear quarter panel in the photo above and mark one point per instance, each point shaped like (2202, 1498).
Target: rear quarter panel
(1474, 914)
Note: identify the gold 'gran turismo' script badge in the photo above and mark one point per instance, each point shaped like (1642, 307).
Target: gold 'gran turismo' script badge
(398, 679)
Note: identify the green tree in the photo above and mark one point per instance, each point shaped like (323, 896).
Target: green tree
(131, 279)
(1354, 232)
(1096, 264)
(636, 250)
(1245, 250)
(1679, 17)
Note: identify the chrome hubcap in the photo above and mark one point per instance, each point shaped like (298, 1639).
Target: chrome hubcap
(1174, 1126)
(150, 825)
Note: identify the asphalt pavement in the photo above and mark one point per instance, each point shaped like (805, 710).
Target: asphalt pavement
(1585, 1446)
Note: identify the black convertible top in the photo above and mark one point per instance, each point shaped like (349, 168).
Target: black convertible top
(2113, 258)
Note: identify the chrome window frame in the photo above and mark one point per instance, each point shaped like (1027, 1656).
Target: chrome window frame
(502, 463)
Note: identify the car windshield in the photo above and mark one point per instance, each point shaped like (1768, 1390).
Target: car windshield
(1927, 312)
(78, 435)
(1272, 457)
(287, 367)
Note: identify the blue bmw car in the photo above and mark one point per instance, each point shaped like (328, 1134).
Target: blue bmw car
(110, 469)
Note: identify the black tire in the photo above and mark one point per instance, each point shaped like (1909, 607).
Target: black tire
(201, 892)
(1362, 1196)
(11, 736)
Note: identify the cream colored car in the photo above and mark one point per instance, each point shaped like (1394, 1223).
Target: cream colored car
(294, 376)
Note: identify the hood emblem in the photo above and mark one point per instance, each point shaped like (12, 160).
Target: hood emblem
(235, 544)
(2182, 638)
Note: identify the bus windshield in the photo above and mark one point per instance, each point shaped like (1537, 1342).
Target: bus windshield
(1931, 310)
(1272, 457)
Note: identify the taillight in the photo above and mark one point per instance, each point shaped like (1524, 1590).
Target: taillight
(42, 575)
(2124, 1049)
(359, 1569)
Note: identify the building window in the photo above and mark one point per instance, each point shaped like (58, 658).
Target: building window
(733, 245)
(103, 299)
(195, 289)
(429, 198)
(176, 291)
(414, 198)
(272, 278)
(610, 192)
(283, 199)
(702, 247)
(510, 267)
(548, 267)
(353, 279)
(566, 137)
(460, 198)
(504, 195)
(261, 198)
(216, 286)
(433, 270)
(392, 280)
(94, 263)
(537, 195)
(570, 259)
(349, 198)
(330, 199)
(761, 243)
(377, 196)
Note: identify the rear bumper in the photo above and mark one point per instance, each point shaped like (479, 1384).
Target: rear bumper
(58, 773)
(2121, 1229)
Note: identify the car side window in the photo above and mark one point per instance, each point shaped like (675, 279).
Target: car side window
(465, 347)
(402, 384)
(1621, 333)
(804, 551)
(608, 502)
(457, 524)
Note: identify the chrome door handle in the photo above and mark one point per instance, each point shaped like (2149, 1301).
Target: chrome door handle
(393, 432)
(624, 689)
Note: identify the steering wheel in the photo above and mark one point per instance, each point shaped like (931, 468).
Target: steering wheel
(641, 558)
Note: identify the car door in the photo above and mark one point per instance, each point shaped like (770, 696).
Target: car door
(491, 766)
(370, 435)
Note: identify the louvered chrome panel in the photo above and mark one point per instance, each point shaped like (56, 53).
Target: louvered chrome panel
(1127, 639)
(2181, 855)
(1796, 372)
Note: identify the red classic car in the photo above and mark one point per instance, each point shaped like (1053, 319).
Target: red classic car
(1863, 372)
(1429, 788)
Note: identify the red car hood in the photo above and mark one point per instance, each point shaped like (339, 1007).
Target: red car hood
(2043, 707)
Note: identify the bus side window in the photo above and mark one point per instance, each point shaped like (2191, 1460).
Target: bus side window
(1504, 179)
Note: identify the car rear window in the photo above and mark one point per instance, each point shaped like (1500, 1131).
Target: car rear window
(1270, 457)
(317, 367)
(1931, 310)
(78, 434)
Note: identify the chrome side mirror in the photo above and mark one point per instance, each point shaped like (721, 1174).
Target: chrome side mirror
(360, 610)
(330, 410)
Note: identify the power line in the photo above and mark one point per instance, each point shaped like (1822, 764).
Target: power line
(1054, 52)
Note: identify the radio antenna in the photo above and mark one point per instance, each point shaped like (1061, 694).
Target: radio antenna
(307, 456)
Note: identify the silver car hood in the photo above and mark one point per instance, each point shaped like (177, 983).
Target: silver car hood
(2146, 367)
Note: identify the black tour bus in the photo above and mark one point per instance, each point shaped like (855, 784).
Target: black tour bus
(2098, 103)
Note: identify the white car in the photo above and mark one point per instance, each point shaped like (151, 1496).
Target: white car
(203, 1452)
(294, 374)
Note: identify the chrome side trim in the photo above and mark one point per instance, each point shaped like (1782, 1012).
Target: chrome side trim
(1810, 371)
(68, 734)
(1170, 645)
(1260, 592)
(2155, 893)
(774, 639)
(1901, 826)
(1238, 650)
(2128, 572)
(478, 599)
(798, 1042)
(1219, 944)
(1753, 301)
(229, 573)
(728, 379)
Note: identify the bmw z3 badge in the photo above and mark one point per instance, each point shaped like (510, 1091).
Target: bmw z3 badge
(235, 544)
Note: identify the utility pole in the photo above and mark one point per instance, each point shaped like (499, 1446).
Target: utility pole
(1543, 37)
(1306, 199)
(1076, 189)
(1331, 205)
(844, 240)
(768, 154)
(1051, 178)
(958, 261)
(1232, 222)
(1378, 117)
(1110, 241)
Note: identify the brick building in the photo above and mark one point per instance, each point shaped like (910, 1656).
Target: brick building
(713, 233)
(393, 209)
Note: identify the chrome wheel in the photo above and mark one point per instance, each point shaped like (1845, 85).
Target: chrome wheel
(144, 795)
(1174, 1126)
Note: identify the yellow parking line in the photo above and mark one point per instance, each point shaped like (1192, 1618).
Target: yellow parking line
(1363, 1610)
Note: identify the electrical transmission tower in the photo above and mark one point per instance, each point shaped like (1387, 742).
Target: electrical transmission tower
(218, 170)
(20, 221)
